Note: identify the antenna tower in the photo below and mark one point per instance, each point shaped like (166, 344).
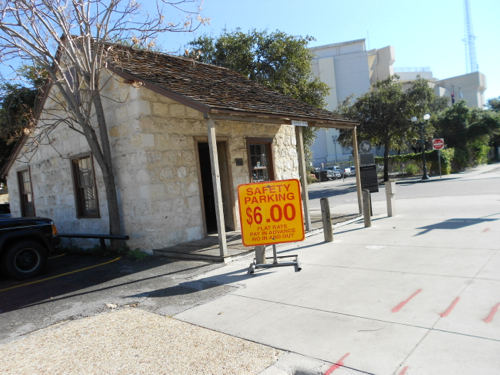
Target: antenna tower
(470, 45)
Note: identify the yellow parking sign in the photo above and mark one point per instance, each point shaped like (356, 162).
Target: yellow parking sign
(271, 212)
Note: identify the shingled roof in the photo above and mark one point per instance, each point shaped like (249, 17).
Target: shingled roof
(212, 89)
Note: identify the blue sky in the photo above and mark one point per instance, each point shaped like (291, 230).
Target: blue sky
(424, 33)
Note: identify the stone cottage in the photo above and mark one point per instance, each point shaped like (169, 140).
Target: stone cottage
(183, 135)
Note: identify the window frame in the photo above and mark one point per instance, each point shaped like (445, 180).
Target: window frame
(269, 143)
(22, 193)
(79, 202)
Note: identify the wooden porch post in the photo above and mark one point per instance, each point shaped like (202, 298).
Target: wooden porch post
(214, 161)
(358, 172)
(303, 174)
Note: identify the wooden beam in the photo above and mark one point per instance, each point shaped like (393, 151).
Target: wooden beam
(270, 120)
(303, 176)
(219, 211)
(358, 171)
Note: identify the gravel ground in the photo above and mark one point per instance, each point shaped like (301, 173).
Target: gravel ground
(129, 340)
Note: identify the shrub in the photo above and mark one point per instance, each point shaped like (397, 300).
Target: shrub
(411, 169)
(311, 179)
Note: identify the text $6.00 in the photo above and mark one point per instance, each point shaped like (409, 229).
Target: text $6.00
(276, 213)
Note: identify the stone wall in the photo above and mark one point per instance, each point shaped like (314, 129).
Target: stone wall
(153, 141)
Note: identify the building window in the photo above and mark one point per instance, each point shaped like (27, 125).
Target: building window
(87, 204)
(26, 192)
(260, 159)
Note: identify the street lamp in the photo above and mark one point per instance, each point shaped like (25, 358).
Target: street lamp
(421, 124)
(334, 139)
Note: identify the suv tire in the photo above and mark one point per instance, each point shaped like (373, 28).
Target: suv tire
(24, 259)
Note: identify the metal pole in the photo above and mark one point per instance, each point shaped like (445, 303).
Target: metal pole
(366, 208)
(327, 219)
(425, 176)
(439, 162)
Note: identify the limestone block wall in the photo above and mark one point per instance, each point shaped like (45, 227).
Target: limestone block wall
(52, 184)
(153, 140)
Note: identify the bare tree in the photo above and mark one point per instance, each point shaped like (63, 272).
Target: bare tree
(71, 41)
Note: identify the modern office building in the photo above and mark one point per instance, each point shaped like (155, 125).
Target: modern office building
(348, 68)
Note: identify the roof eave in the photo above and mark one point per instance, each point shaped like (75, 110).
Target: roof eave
(312, 121)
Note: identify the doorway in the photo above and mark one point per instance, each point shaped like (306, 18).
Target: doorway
(208, 195)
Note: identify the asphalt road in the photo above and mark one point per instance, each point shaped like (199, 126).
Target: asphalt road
(77, 286)
(461, 184)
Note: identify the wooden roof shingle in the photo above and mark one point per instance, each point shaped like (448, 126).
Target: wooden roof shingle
(210, 88)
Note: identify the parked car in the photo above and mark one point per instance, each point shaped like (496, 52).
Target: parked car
(353, 170)
(4, 210)
(344, 172)
(332, 173)
(25, 244)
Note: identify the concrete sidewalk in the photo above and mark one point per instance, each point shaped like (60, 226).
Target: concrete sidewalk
(414, 294)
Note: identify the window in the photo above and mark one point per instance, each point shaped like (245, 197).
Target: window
(87, 204)
(26, 193)
(260, 159)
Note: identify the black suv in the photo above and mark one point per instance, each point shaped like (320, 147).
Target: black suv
(25, 244)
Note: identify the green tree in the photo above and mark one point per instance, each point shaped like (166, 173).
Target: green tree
(469, 131)
(17, 102)
(277, 60)
(70, 41)
(494, 105)
(384, 114)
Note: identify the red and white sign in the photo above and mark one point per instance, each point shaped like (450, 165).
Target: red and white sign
(438, 143)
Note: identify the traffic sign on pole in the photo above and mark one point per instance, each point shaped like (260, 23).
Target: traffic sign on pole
(438, 143)
(271, 212)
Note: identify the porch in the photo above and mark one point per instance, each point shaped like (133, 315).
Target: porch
(208, 248)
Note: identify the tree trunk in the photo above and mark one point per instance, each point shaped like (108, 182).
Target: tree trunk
(386, 161)
(106, 164)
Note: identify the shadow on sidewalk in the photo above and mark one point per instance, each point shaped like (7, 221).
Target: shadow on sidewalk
(453, 224)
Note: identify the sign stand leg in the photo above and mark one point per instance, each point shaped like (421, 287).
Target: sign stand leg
(295, 263)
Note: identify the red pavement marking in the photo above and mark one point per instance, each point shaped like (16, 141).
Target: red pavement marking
(445, 314)
(403, 372)
(401, 304)
(487, 229)
(336, 365)
(494, 310)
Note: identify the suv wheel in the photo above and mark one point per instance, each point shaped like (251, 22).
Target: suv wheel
(24, 260)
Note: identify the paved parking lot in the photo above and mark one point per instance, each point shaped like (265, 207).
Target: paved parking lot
(76, 286)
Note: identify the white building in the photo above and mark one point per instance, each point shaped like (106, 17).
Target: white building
(348, 68)
(469, 87)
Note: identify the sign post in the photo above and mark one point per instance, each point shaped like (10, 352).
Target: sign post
(438, 144)
(271, 213)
